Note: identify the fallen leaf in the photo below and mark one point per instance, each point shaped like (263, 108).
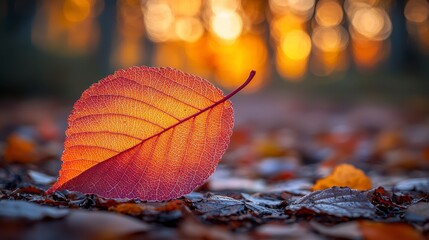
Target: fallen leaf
(345, 175)
(387, 231)
(148, 133)
(382, 200)
(414, 184)
(261, 201)
(388, 140)
(40, 178)
(216, 205)
(20, 149)
(133, 209)
(336, 201)
(170, 206)
(29, 189)
(269, 148)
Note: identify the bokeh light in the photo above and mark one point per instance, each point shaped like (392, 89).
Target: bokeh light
(279, 6)
(189, 29)
(329, 13)
(329, 45)
(296, 45)
(72, 30)
(188, 8)
(417, 14)
(280, 25)
(76, 10)
(301, 7)
(330, 39)
(368, 53)
(290, 69)
(158, 19)
(222, 39)
(372, 23)
(233, 61)
(227, 24)
(127, 48)
(417, 11)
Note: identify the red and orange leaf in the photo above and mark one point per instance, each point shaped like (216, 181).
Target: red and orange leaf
(148, 133)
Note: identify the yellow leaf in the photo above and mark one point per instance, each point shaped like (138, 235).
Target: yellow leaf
(345, 175)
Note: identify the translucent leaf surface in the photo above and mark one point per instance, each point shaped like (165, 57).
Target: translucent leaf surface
(148, 133)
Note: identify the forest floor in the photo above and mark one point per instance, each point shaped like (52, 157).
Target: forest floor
(264, 187)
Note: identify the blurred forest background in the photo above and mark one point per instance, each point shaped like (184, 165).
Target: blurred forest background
(335, 48)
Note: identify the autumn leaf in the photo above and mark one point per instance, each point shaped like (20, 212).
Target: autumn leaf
(384, 231)
(20, 150)
(345, 175)
(147, 133)
(336, 201)
(133, 209)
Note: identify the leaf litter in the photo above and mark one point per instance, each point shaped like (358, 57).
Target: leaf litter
(336, 201)
(250, 203)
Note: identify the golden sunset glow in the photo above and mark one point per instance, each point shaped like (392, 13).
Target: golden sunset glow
(218, 6)
(367, 53)
(296, 45)
(72, 30)
(76, 10)
(301, 8)
(163, 58)
(280, 25)
(235, 60)
(128, 50)
(188, 8)
(369, 30)
(290, 69)
(204, 36)
(189, 29)
(227, 24)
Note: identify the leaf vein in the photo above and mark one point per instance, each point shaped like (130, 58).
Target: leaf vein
(93, 146)
(158, 91)
(117, 114)
(106, 131)
(134, 99)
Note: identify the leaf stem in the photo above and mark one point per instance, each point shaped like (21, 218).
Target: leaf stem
(251, 75)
